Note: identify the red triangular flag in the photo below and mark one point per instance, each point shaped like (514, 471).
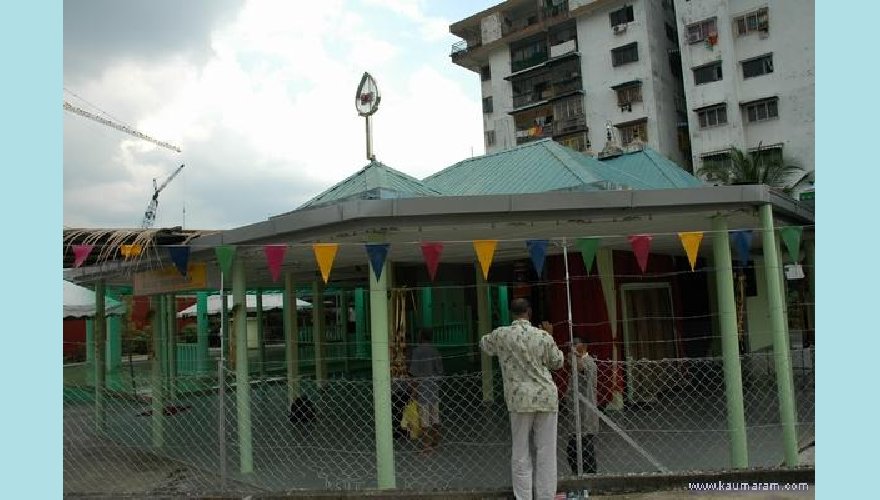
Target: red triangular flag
(641, 245)
(274, 258)
(80, 253)
(431, 252)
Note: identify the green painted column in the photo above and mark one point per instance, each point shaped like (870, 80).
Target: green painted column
(427, 307)
(90, 351)
(736, 420)
(360, 326)
(504, 305)
(100, 350)
(810, 271)
(242, 378)
(261, 348)
(484, 326)
(318, 331)
(171, 343)
(224, 326)
(291, 337)
(379, 327)
(114, 345)
(202, 332)
(781, 353)
(157, 392)
(342, 327)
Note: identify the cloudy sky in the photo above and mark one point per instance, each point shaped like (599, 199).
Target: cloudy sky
(259, 96)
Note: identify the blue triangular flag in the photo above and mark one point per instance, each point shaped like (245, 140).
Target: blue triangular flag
(742, 240)
(537, 251)
(180, 257)
(377, 253)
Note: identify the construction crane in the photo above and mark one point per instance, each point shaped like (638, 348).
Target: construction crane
(150, 213)
(123, 128)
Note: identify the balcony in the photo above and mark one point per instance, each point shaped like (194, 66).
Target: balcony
(534, 60)
(571, 124)
(461, 47)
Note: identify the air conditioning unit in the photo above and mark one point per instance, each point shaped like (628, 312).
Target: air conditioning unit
(619, 28)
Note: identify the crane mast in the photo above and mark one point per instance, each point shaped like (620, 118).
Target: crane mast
(150, 213)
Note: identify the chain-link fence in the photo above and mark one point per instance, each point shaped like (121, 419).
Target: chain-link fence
(668, 415)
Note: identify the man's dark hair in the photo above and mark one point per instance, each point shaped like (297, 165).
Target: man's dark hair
(519, 306)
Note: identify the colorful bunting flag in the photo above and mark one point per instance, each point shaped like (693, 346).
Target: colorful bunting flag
(485, 252)
(224, 254)
(587, 247)
(325, 253)
(691, 243)
(537, 251)
(274, 259)
(792, 237)
(431, 251)
(641, 245)
(80, 253)
(129, 251)
(180, 256)
(742, 241)
(377, 252)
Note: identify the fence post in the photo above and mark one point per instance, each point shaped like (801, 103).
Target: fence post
(261, 349)
(381, 378)
(736, 422)
(781, 353)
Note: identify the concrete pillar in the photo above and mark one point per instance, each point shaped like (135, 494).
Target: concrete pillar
(291, 337)
(100, 365)
(503, 305)
(484, 326)
(318, 331)
(90, 351)
(781, 353)
(242, 377)
(261, 349)
(114, 346)
(202, 332)
(171, 344)
(381, 364)
(736, 421)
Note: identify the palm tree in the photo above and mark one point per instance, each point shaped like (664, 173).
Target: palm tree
(756, 167)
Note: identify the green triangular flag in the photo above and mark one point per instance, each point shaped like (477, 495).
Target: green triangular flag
(792, 238)
(225, 253)
(587, 247)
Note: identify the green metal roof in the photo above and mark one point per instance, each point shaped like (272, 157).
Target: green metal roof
(546, 165)
(376, 181)
(536, 167)
(647, 169)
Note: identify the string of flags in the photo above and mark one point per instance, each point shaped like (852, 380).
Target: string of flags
(325, 253)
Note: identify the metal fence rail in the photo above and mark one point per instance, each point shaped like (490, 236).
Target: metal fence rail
(674, 415)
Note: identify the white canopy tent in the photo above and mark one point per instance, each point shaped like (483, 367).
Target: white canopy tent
(79, 302)
(270, 301)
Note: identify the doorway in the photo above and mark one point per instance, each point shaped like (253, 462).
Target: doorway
(649, 336)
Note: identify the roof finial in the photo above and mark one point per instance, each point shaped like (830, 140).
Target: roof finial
(366, 102)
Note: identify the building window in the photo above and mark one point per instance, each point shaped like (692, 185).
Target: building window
(578, 142)
(708, 73)
(528, 55)
(621, 16)
(759, 111)
(768, 154)
(755, 21)
(720, 158)
(628, 94)
(490, 138)
(671, 34)
(487, 104)
(758, 66)
(713, 116)
(702, 31)
(626, 54)
(485, 73)
(629, 132)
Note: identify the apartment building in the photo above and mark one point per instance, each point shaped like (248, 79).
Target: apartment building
(574, 70)
(749, 77)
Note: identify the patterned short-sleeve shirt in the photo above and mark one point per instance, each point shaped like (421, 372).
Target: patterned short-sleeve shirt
(526, 355)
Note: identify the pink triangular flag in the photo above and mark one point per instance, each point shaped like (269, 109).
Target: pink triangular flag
(641, 245)
(274, 258)
(80, 253)
(431, 251)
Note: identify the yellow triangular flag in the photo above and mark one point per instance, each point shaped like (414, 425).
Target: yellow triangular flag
(130, 250)
(691, 242)
(324, 254)
(485, 252)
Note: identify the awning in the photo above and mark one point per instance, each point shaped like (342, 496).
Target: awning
(630, 83)
(713, 105)
(762, 99)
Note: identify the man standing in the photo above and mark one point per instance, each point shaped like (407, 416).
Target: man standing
(426, 367)
(586, 371)
(526, 355)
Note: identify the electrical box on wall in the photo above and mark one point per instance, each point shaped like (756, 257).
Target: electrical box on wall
(794, 272)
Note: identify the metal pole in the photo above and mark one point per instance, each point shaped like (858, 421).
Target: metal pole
(736, 422)
(221, 387)
(369, 120)
(576, 398)
(781, 353)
